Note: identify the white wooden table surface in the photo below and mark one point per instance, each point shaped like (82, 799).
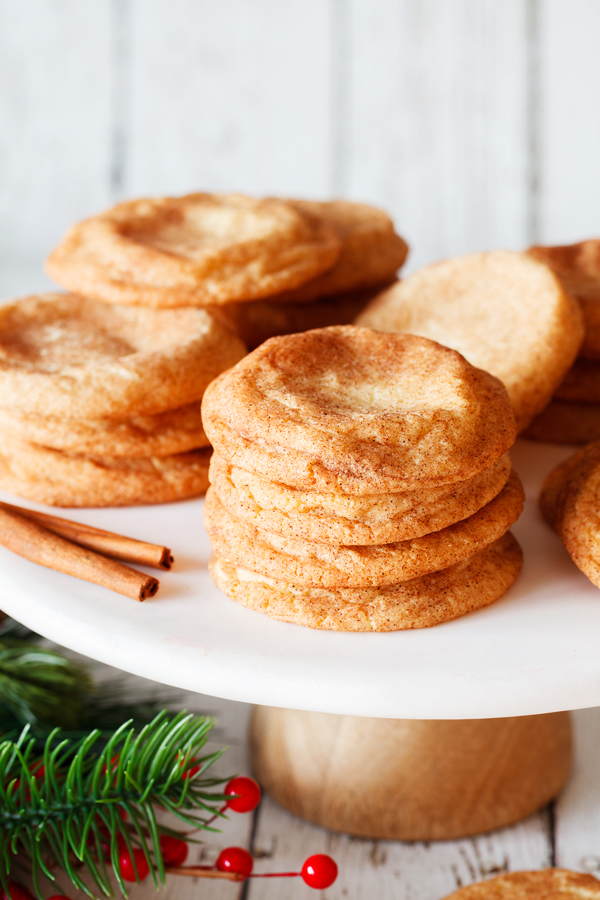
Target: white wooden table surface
(566, 833)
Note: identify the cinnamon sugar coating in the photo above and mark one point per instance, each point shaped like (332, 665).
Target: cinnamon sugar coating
(350, 519)
(328, 565)
(505, 312)
(63, 355)
(197, 250)
(420, 603)
(346, 409)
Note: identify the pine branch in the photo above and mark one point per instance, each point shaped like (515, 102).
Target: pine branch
(39, 687)
(68, 816)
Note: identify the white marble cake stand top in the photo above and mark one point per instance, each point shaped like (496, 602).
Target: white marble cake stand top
(536, 650)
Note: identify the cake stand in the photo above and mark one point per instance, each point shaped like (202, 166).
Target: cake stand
(331, 738)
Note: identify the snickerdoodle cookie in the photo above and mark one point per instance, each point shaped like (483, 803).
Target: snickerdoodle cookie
(420, 603)
(371, 251)
(505, 312)
(256, 322)
(570, 500)
(196, 250)
(64, 479)
(346, 409)
(351, 519)
(563, 422)
(328, 565)
(173, 431)
(546, 884)
(62, 355)
(582, 382)
(578, 267)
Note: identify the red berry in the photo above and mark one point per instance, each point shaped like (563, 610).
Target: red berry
(126, 865)
(191, 772)
(17, 892)
(235, 859)
(319, 871)
(248, 793)
(174, 850)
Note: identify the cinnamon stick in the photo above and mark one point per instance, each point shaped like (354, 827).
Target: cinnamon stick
(115, 545)
(204, 872)
(36, 543)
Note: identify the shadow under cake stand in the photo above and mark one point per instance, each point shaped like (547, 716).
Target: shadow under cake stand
(416, 735)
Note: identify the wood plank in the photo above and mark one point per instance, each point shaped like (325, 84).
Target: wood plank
(231, 96)
(569, 67)
(55, 127)
(438, 121)
(577, 827)
(405, 871)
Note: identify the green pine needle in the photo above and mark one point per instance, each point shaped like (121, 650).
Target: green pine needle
(63, 818)
(39, 687)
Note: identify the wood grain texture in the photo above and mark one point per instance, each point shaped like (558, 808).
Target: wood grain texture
(407, 779)
(577, 831)
(55, 127)
(437, 132)
(231, 96)
(569, 142)
(390, 869)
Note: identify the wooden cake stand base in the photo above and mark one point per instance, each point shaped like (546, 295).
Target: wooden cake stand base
(410, 779)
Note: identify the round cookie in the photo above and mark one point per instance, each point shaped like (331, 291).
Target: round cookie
(562, 422)
(570, 499)
(582, 383)
(196, 250)
(505, 312)
(546, 884)
(61, 479)
(420, 603)
(174, 431)
(347, 519)
(256, 322)
(327, 565)
(62, 355)
(371, 251)
(346, 409)
(578, 267)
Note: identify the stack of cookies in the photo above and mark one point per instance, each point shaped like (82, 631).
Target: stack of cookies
(100, 404)
(573, 416)
(360, 481)
(267, 266)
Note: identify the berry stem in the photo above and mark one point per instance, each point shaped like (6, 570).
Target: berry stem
(275, 875)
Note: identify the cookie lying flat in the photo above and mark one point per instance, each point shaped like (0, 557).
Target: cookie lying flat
(349, 410)
(196, 250)
(421, 603)
(60, 479)
(570, 501)
(256, 322)
(347, 519)
(371, 251)
(174, 431)
(327, 565)
(547, 884)
(505, 312)
(562, 422)
(62, 355)
(582, 383)
(578, 267)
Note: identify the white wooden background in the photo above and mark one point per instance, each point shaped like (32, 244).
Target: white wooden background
(476, 123)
